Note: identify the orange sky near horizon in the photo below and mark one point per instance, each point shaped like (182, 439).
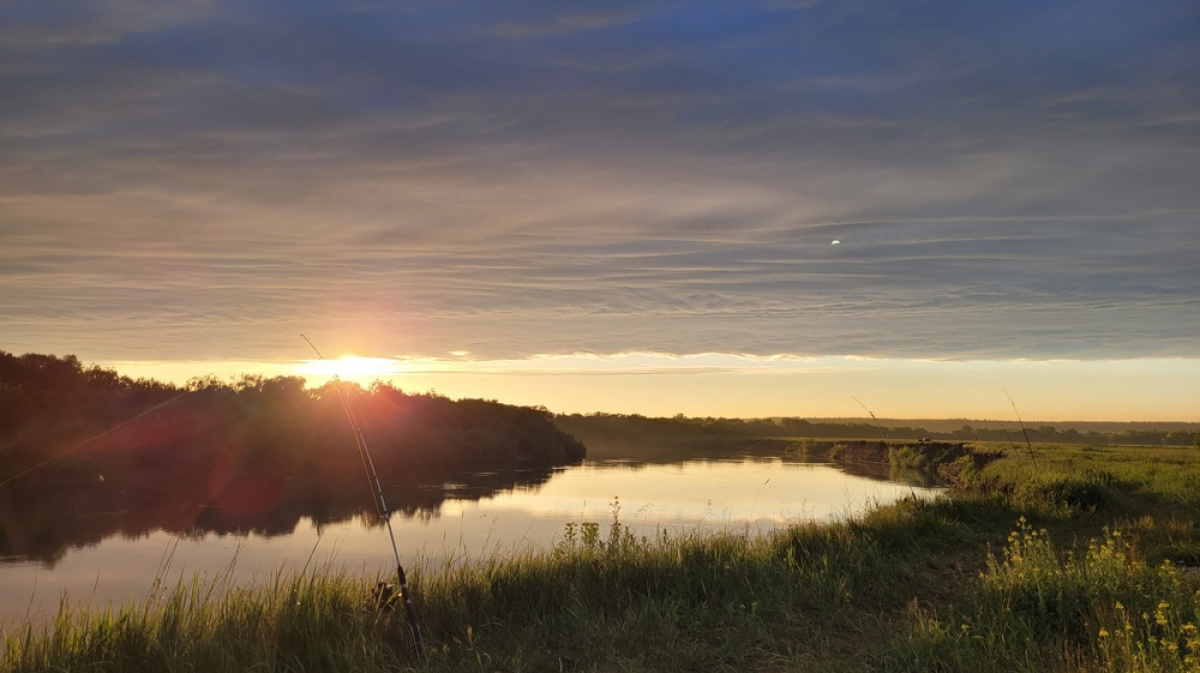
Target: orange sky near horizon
(749, 387)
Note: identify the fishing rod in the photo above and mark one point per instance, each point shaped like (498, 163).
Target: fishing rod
(1023, 430)
(381, 506)
(888, 444)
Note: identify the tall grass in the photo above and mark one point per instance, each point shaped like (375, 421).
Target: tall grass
(1153, 476)
(1102, 609)
(692, 602)
(315, 622)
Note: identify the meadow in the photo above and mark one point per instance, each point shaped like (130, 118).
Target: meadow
(1069, 558)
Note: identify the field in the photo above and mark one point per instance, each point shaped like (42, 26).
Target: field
(1066, 557)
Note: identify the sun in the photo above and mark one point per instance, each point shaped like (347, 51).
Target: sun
(351, 368)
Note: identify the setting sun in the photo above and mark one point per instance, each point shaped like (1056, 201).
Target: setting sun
(355, 368)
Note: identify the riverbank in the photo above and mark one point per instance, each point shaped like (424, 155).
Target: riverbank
(1069, 558)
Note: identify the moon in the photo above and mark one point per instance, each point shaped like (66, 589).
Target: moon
(835, 242)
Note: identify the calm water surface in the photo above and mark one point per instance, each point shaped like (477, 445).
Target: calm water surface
(737, 494)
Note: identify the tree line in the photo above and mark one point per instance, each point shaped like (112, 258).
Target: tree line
(48, 402)
(681, 429)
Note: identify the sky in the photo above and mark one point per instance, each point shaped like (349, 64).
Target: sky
(749, 208)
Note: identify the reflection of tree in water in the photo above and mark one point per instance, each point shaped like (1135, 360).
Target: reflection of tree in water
(636, 441)
(219, 463)
(44, 517)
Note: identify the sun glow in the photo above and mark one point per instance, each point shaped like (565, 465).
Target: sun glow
(351, 368)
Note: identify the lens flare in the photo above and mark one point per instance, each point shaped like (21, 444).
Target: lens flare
(351, 368)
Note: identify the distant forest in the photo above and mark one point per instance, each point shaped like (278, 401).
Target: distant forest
(47, 400)
(606, 434)
(48, 404)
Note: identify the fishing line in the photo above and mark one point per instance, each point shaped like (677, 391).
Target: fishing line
(364, 453)
(91, 439)
(888, 444)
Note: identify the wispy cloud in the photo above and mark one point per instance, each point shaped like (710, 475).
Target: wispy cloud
(214, 178)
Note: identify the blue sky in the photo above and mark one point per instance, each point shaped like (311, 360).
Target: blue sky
(505, 184)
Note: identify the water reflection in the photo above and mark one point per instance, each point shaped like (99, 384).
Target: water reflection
(114, 555)
(41, 519)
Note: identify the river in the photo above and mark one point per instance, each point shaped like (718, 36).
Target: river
(109, 554)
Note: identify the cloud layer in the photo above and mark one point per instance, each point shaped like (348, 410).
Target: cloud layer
(209, 179)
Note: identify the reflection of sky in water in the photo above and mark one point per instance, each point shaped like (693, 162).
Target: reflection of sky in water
(738, 496)
(689, 494)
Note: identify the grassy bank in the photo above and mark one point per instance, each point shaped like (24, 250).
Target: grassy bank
(1078, 562)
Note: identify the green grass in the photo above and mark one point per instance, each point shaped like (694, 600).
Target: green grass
(1103, 608)
(1072, 565)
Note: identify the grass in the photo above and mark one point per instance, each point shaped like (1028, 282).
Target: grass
(1077, 565)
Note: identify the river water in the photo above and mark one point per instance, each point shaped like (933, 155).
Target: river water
(108, 559)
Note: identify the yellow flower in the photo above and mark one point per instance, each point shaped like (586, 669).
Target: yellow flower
(1104, 633)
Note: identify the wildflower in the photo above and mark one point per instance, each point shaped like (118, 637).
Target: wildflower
(1104, 633)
